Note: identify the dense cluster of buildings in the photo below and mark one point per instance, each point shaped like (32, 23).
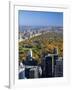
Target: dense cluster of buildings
(29, 31)
(28, 34)
(51, 66)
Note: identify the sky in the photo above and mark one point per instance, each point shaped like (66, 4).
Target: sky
(40, 18)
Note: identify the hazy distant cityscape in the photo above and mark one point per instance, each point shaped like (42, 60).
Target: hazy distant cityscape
(26, 32)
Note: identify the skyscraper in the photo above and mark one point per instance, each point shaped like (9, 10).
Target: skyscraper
(49, 63)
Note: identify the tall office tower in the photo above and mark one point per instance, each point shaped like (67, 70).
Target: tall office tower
(47, 66)
(49, 63)
(59, 68)
(55, 57)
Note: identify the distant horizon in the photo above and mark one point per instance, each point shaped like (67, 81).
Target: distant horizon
(40, 18)
(40, 26)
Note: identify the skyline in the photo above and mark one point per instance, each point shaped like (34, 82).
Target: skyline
(40, 18)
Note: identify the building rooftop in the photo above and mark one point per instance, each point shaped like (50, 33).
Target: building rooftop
(30, 63)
